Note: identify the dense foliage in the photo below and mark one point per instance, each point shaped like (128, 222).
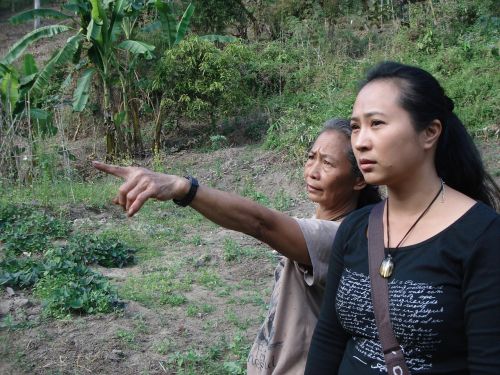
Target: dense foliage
(292, 65)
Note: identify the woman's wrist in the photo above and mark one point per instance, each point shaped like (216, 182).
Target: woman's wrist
(181, 187)
(188, 189)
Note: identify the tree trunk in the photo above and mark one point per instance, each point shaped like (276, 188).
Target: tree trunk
(158, 126)
(138, 145)
(108, 124)
(37, 19)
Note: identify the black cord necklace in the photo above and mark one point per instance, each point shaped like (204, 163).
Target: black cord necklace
(387, 265)
(341, 216)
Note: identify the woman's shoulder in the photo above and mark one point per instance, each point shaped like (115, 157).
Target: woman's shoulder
(357, 220)
(478, 224)
(478, 218)
(358, 215)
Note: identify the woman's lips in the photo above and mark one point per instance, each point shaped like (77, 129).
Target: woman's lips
(366, 165)
(312, 189)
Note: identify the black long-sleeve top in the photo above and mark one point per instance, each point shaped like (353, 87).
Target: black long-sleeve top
(444, 301)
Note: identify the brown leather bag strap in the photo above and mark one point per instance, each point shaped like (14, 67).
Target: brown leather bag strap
(393, 355)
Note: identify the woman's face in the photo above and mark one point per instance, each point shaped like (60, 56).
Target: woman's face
(385, 143)
(328, 172)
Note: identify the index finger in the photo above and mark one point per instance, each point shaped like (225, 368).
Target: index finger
(115, 170)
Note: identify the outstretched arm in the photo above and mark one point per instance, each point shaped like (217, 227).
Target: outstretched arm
(231, 211)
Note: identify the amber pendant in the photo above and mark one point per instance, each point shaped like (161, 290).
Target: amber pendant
(386, 267)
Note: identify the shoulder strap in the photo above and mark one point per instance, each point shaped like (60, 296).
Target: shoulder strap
(393, 354)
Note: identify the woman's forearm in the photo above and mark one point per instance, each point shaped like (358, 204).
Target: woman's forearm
(231, 211)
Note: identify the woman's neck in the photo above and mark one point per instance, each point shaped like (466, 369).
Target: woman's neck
(411, 195)
(335, 212)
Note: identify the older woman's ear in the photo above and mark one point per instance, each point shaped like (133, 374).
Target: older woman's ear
(360, 183)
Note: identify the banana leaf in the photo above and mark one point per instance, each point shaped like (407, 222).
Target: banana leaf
(184, 24)
(82, 91)
(137, 48)
(64, 55)
(29, 65)
(9, 90)
(20, 46)
(167, 20)
(31, 14)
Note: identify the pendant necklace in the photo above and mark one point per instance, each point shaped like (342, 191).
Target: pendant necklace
(387, 265)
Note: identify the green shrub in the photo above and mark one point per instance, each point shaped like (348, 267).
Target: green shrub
(199, 81)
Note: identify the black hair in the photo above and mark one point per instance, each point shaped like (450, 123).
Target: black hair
(370, 193)
(457, 158)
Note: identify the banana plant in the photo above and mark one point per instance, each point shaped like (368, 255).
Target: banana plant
(15, 85)
(102, 36)
(102, 47)
(173, 31)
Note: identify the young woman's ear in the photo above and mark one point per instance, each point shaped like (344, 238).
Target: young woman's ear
(359, 184)
(431, 134)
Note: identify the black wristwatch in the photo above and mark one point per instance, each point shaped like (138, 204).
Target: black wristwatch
(188, 198)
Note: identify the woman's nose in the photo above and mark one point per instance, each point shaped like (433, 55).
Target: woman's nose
(360, 140)
(313, 170)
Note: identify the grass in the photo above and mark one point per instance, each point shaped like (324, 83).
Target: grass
(58, 194)
(199, 310)
(222, 357)
(157, 288)
(125, 336)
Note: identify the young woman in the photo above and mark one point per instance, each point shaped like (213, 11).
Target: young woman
(333, 182)
(441, 233)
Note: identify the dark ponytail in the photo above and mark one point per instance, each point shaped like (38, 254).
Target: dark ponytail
(370, 193)
(457, 158)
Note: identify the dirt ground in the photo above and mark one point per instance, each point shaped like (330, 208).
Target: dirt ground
(91, 345)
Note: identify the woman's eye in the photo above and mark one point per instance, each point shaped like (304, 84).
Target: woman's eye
(327, 163)
(354, 126)
(377, 122)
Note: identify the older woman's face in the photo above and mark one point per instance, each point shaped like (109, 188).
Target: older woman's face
(328, 172)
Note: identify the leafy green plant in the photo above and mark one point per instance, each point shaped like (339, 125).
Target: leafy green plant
(24, 229)
(81, 290)
(194, 310)
(20, 271)
(282, 201)
(103, 250)
(218, 141)
(232, 250)
(128, 337)
(252, 193)
(59, 274)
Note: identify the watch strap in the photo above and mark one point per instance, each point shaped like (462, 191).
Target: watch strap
(188, 198)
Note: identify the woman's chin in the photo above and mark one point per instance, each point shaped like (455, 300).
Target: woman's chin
(372, 179)
(314, 198)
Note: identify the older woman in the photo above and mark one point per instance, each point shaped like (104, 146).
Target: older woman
(441, 235)
(333, 181)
